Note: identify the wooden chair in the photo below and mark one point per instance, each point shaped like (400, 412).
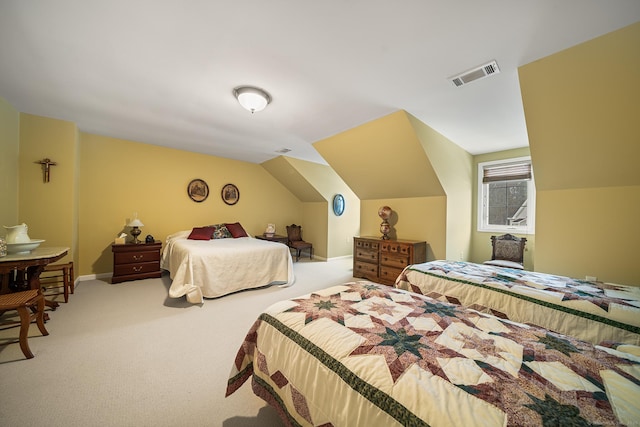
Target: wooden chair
(56, 276)
(30, 306)
(294, 241)
(508, 251)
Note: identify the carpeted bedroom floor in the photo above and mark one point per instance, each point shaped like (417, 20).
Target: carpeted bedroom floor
(127, 355)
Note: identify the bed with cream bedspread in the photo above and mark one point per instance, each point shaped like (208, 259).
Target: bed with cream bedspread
(212, 268)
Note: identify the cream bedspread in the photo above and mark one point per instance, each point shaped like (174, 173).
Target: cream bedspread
(213, 268)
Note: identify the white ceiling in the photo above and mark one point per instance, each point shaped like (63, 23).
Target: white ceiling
(162, 72)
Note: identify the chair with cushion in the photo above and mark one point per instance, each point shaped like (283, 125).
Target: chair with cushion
(30, 306)
(294, 241)
(56, 276)
(508, 251)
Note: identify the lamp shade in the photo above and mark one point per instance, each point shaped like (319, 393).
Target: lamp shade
(252, 98)
(135, 223)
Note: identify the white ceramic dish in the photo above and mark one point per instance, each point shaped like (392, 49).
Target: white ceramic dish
(23, 248)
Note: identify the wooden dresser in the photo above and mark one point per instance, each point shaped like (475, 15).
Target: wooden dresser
(136, 261)
(382, 261)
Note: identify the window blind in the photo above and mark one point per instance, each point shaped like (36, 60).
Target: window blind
(507, 172)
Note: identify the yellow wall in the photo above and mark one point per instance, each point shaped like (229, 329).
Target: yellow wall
(119, 177)
(415, 218)
(426, 179)
(481, 246)
(596, 233)
(9, 151)
(582, 110)
(453, 167)
(337, 229)
(49, 208)
(382, 159)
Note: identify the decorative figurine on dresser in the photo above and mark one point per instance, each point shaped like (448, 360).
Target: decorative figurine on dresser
(385, 213)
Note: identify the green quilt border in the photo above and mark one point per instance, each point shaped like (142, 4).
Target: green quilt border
(589, 316)
(374, 395)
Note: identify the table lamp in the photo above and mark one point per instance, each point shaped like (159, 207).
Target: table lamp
(135, 230)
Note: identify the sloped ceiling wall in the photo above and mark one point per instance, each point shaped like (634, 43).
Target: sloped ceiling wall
(293, 179)
(315, 185)
(582, 110)
(382, 159)
(582, 107)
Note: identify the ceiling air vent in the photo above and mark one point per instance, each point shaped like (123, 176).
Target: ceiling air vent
(475, 74)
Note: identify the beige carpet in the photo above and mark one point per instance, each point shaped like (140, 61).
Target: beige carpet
(127, 355)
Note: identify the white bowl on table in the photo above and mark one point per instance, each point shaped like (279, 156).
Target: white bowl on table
(23, 248)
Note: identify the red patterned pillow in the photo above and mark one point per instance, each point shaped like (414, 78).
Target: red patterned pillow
(236, 230)
(201, 233)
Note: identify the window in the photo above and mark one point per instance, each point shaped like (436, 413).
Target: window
(506, 196)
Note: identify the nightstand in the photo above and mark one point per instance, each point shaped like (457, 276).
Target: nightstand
(274, 238)
(133, 261)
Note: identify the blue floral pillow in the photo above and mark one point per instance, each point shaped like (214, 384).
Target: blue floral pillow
(220, 231)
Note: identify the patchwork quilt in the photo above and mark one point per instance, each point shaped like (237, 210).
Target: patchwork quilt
(364, 354)
(591, 311)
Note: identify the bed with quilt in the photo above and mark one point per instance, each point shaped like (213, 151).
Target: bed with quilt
(219, 259)
(591, 311)
(365, 354)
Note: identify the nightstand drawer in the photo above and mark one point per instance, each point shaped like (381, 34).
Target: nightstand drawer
(139, 268)
(136, 261)
(136, 257)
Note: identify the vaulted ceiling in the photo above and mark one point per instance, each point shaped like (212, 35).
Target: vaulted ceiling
(163, 72)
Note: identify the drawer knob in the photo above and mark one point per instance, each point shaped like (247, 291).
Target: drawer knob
(137, 269)
(138, 257)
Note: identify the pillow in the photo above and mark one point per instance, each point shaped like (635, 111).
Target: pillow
(201, 233)
(236, 230)
(220, 231)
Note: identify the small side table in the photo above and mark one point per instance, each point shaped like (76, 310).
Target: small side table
(134, 261)
(274, 238)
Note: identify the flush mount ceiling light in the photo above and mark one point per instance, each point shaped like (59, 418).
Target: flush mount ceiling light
(252, 98)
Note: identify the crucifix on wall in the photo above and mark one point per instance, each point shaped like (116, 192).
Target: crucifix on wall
(46, 167)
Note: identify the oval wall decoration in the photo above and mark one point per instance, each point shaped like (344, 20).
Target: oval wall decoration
(338, 204)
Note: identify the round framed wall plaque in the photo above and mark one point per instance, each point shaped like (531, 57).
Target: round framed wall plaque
(230, 194)
(198, 190)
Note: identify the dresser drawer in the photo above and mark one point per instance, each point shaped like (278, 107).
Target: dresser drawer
(366, 255)
(136, 257)
(388, 275)
(367, 244)
(137, 268)
(396, 248)
(365, 269)
(394, 261)
(382, 261)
